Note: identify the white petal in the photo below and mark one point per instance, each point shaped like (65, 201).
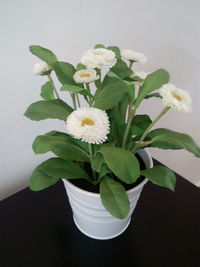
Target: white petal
(40, 68)
(133, 56)
(93, 134)
(176, 98)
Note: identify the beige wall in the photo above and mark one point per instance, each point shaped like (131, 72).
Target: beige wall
(166, 31)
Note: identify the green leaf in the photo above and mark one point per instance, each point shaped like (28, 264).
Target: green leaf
(80, 66)
(110, 78)
(104, 170)
(153, 95)
(62, 146)
(117, 126)
(130, 90)
(50, 109)
(152, 82)
(51, 170)
(97, 162)
(116, 50)
(161, 176)
(178, 139)
(111, 95)
(40, 180)
(47, 91)
(162, 144)
(99, 46)
(121, 69)
(76, 142)
(114, 198)
(65, 72)
(122, 163)
(139, 124)
(75, 89)
(122, 107)
(44, 54)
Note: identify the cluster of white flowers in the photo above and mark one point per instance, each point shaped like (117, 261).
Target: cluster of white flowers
(134, 56)
(99, 57)
(89, 124)
(176, 98)
(41, 68)
(85, 76)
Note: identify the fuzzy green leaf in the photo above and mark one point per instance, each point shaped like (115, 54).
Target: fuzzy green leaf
(121, 69)
(122, 163)
(181, 140)
(80, 66)
(44, 54)
(62, 146)
(99, 46)
(111, 95)
(65, 72)
(152, 82)
(50, 109)
(114, 198)
(153, 95)
(51, 170)
(47, 91)
(161, 176)
(139, 124)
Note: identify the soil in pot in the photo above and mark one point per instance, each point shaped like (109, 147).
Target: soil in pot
(85, 185)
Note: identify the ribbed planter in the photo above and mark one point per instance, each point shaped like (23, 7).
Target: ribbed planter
(92, 218)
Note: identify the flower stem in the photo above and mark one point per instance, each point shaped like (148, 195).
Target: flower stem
(73, 100)
(78, 101)
(131, 64)
(88, 88)
(91, 160)
(131, 114)
(149, 128)
(54, 88)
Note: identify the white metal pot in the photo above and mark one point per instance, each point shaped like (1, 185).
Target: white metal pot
(89, 214)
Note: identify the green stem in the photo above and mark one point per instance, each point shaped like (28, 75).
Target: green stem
(149, 128)
(78, 100)
(73, 100)
(131, 64)
(91, 160)
(54, 88)
(88, 88)
(131, 114)
(99, 73)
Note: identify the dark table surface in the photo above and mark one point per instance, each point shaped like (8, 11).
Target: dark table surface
(36, 229)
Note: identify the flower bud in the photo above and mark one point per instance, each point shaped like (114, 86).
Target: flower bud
(41, 68)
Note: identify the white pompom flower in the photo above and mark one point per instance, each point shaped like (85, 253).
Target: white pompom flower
(133, 56)
(85, 76)
(176, 98)
(89, 124)
(99, 57)
(41, 68)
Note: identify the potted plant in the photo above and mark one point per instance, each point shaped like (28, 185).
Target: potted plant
(101, 153)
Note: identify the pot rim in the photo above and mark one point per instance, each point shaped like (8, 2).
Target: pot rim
(88, 193)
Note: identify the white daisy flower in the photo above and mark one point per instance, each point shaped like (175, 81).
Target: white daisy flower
(134, 56)
(85, 76)
(41, 68)
(176, 98)
(141, 74)
(89, 124)
(97, 58)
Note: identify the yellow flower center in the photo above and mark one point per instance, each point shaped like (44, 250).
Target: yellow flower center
(84, 75)
(178, 97)
(87, 121)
